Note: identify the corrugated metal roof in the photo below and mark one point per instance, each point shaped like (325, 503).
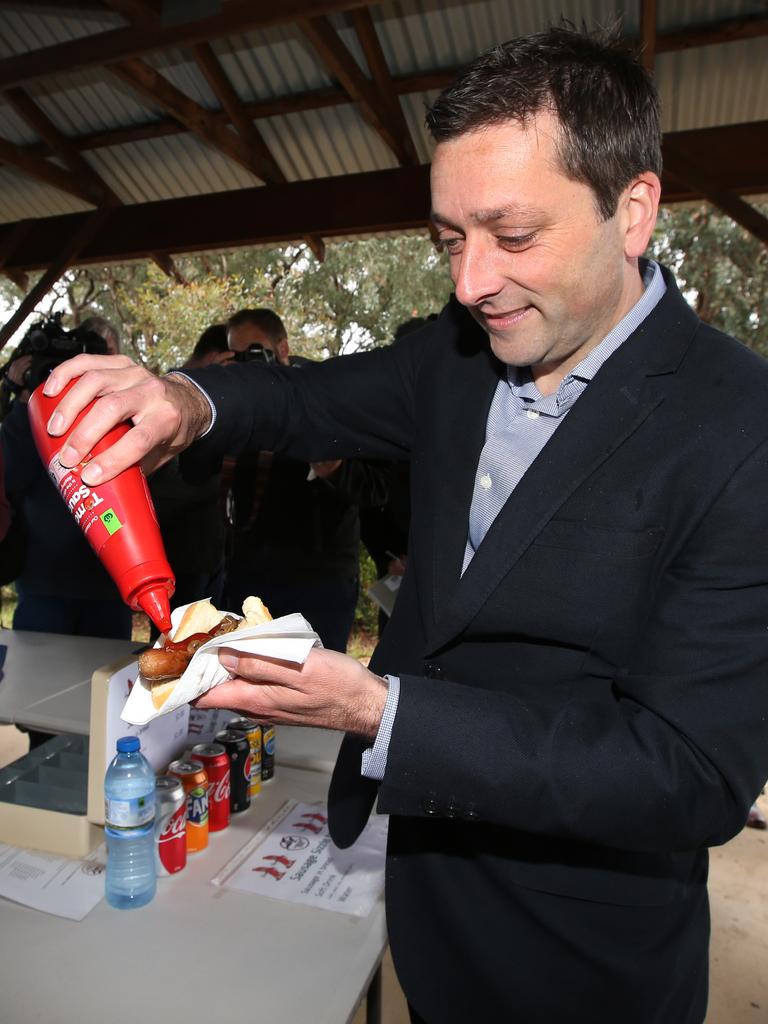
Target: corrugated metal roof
(699, 88)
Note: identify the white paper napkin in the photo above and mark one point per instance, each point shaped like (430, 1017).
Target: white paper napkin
(289, 638)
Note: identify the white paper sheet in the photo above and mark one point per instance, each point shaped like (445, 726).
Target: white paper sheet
(293, 858)
(57, 885)
(289, 638)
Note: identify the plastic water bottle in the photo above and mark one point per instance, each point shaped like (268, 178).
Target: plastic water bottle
(129, 820)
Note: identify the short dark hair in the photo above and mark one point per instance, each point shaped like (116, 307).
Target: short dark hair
(266, 319)
(213, 339)
(604, 99)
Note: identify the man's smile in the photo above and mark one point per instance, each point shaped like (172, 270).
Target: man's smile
(501, 321)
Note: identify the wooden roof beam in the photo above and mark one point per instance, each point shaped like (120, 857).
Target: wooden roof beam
(393, 200)
(45, 171)
(377, 62)
(679, 164)
(132, 41)
(270, 171)
(155, 88)
(137, 12)
(424, 81)
(12, 239)
(344, 68)
(648, 34)
(261, 157)
(62, 147)
(19, 277)
(166, 263)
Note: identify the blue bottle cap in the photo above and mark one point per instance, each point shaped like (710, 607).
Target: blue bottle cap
(128, 744)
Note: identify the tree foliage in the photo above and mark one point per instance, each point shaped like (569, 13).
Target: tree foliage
(721, 268)
(353, 300)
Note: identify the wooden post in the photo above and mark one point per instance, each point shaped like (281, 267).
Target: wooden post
(648, 34)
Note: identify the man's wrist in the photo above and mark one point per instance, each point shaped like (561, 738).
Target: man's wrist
(194, 405)
(370, 709)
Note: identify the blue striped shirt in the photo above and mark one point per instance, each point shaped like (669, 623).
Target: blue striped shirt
(520, 422)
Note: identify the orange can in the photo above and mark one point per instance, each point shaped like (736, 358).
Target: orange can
(194, 779)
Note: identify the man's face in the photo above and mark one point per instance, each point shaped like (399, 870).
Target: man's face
(241, 338)
(529, 255)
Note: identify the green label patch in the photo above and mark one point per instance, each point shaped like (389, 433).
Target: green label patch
(111, 521)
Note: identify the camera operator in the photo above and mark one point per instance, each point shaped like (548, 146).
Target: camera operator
(294, 526)
(62, 587)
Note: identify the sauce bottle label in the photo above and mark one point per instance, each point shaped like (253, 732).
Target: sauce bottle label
(97, 512)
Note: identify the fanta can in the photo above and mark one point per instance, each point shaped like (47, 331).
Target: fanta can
(194, 779)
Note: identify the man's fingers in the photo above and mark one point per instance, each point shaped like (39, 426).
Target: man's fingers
(260, 669)
(65, 372)
(101, 381)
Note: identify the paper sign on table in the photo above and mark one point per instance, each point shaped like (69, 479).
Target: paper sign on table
(45, 881)
(293, 858)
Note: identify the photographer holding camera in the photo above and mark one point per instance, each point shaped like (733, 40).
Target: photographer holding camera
(295, 526)
(62, 587)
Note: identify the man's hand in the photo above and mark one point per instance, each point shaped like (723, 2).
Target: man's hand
(330, 690)
(168, 414)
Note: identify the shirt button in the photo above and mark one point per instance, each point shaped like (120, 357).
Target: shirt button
(532, 414)
(485, 481)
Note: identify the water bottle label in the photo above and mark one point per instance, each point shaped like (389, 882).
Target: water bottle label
(129, 813)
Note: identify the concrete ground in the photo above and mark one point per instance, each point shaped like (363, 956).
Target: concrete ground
(739, 898)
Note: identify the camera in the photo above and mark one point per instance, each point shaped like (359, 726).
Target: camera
(48, 344)
(255, 354)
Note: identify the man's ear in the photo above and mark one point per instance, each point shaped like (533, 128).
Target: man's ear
(641, 206)
(283, 350)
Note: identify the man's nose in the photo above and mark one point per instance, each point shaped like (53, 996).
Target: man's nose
(476, 275)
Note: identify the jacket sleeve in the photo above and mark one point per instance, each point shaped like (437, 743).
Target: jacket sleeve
(352, 406)
(665, 752)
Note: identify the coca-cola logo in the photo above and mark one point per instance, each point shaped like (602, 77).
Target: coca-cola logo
(175, 826)
(219, 790)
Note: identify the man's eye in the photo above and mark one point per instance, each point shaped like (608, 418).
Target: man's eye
(450, 244)
(517, 241)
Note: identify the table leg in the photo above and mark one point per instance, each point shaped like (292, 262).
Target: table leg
(373, 999)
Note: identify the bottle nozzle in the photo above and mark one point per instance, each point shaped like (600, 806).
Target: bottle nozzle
(155, 602)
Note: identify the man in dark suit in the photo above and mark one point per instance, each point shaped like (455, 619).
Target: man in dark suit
(575, 703)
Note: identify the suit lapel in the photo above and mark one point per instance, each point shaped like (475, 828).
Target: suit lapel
(469, 394)
(613, 406)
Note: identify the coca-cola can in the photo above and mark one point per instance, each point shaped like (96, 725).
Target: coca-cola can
(216, 763)
(239, 753)
(170, 825)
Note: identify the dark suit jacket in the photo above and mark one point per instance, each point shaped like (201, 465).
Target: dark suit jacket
(586, 710)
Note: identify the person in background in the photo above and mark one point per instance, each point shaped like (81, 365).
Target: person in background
(62, 586)
(295, 528)
(568, 706)
(211, 349)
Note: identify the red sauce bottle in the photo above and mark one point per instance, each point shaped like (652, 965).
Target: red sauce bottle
(118, 518)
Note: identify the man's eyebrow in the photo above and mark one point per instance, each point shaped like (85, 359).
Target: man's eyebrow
(526, 213)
